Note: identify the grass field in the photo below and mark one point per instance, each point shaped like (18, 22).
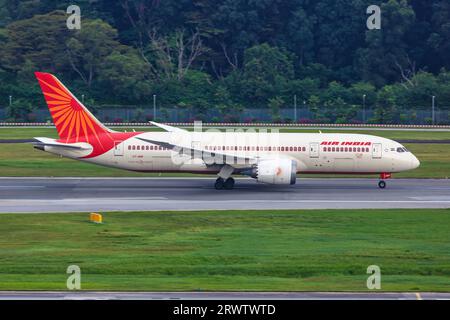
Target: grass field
(23, 160)
(323, 250)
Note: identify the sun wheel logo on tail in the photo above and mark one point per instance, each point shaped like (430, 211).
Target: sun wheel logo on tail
(73, 121)
(278, 171)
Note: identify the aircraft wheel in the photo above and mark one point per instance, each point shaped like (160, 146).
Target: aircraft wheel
(219, 184)
(229, 184)
(382, 184)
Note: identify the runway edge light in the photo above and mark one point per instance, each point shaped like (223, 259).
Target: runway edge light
(95, 217)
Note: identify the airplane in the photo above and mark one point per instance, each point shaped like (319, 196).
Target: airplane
(269, 157)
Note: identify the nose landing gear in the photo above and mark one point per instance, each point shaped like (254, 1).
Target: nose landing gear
(384, 176)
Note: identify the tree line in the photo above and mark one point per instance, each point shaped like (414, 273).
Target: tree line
(228, 55)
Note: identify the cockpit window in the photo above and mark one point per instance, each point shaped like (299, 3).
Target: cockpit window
(400, 149)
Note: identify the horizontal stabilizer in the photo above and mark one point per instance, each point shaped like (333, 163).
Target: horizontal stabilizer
(41, 143)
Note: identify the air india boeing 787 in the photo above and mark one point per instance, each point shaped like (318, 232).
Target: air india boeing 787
(274, 158)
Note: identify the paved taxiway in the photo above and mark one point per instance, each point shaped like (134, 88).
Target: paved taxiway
(43, 295)
(127, 194)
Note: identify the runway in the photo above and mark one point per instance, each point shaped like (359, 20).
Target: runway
(41, 195)
(257, 296)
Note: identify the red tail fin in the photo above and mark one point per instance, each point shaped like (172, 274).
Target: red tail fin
(73, 121)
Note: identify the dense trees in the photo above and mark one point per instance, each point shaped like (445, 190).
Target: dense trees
(229, 54)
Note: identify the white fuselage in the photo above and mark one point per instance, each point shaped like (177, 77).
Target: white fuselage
(313, 152)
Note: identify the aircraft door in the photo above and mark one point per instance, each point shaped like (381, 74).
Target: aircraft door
(118, 148)
(314, 150)
(377, 151)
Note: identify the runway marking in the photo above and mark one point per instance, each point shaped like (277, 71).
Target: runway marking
(21, 187)
(418, 296)
(106, 199)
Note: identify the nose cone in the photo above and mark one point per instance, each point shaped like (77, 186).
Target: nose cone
(415, 163)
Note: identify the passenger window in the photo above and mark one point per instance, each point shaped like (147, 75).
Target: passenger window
(129, 147)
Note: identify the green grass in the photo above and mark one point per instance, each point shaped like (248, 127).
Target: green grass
(323, 250)
(23, 160)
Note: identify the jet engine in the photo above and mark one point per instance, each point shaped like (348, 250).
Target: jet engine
(275, 171)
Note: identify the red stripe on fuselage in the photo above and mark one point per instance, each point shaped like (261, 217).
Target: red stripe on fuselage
(104, 142)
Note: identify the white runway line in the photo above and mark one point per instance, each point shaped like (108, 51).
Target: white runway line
(20, 187)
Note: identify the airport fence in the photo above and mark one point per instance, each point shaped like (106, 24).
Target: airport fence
(134, 114)
(243, 125)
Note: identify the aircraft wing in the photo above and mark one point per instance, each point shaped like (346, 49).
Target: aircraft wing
(212, 156)
(168, 128)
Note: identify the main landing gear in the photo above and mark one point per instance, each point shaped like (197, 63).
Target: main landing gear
(384, 176)
(225, 181)
(226, 184)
